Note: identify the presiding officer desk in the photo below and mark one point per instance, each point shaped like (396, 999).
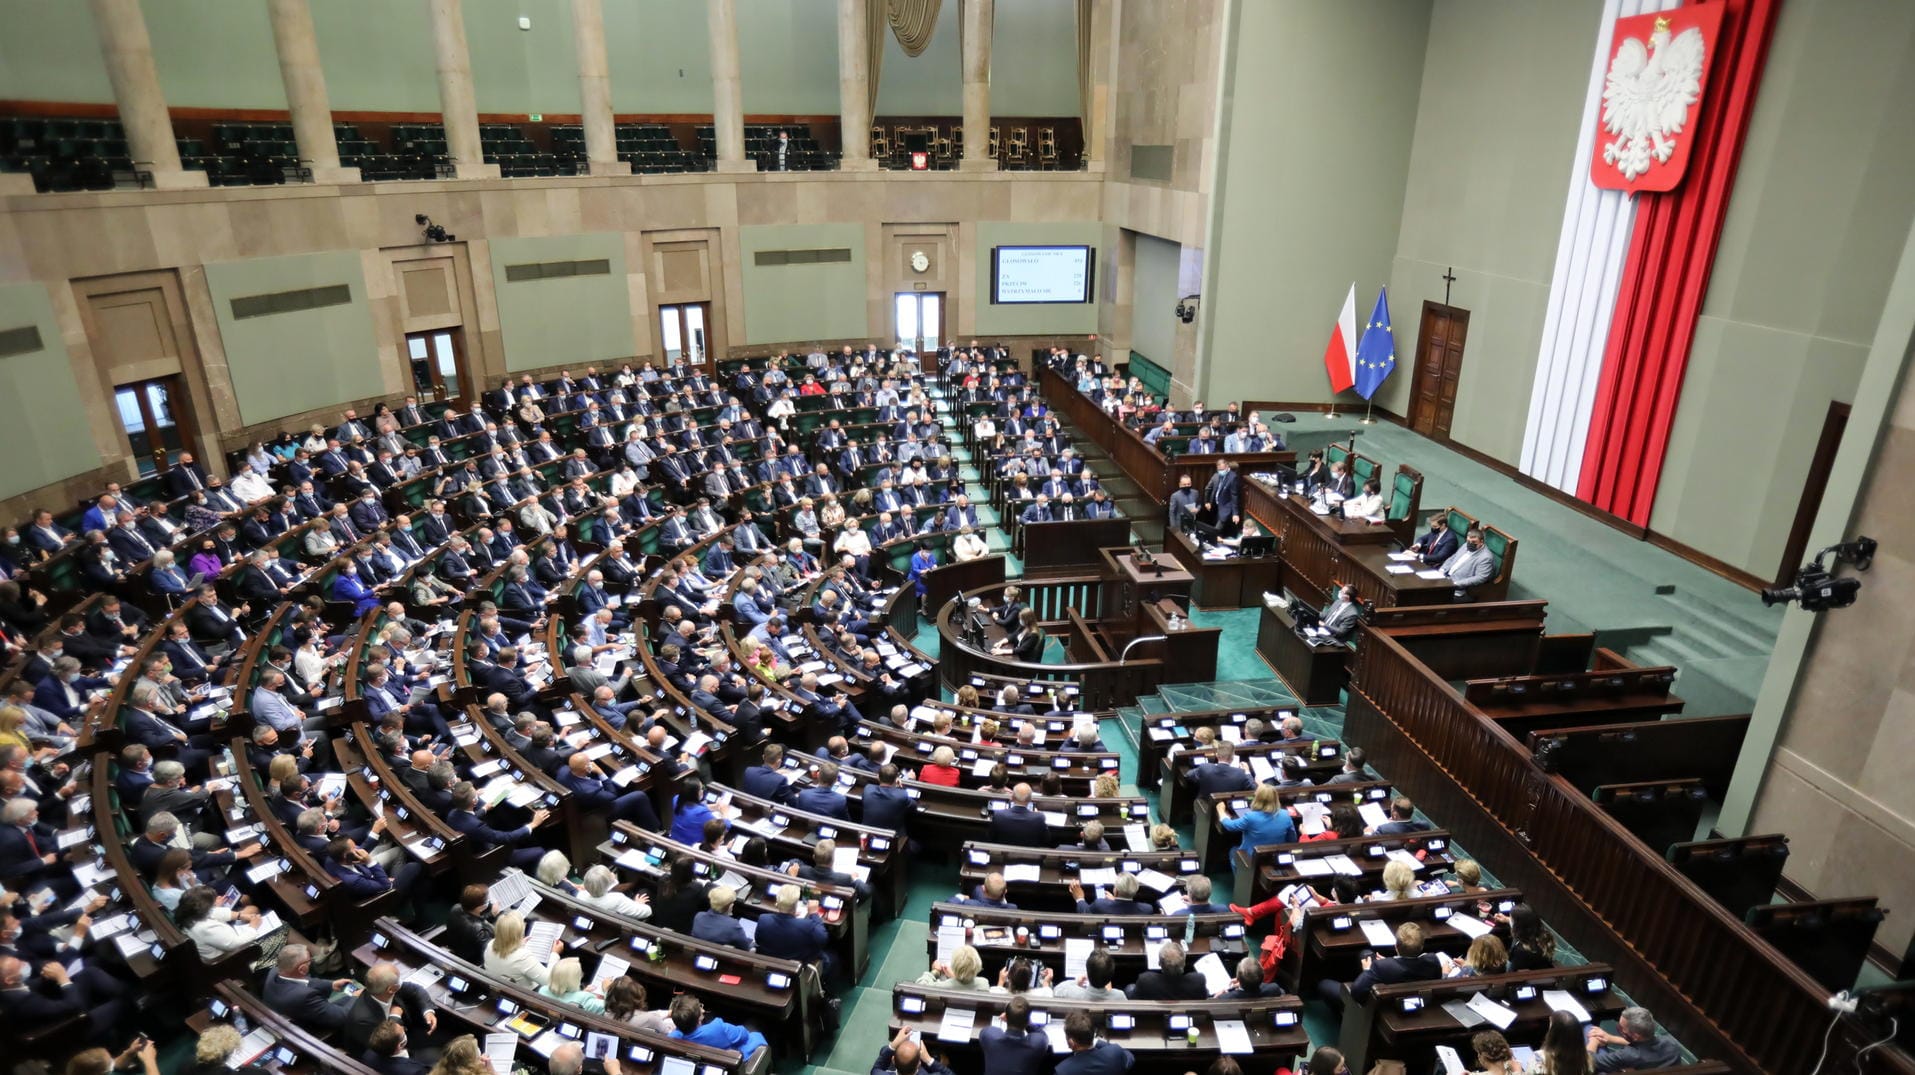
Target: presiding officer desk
(1232, 582)
(1321, 551)
(1155, 1033)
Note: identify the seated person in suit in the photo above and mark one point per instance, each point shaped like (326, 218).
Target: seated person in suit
(1636, 1048)
(822, 868)
(1020, 823)
(1249, 984)
(795, 931)
(764, 780)
(387, 1051)
(1402, 820)
(1197, 891)
(509, 957)
(1094, 983)
(467, 817)
(1024, 642)
(1437, 544)
(291, 990)
(717, 924)
(1340, 617)
(907, 1056)
(1015, 1048)
(991, 893)
(1472, 565)
(823, 796)
(385, 994)
(1221, 774)
(1409, 964)
(1122, 899)
(1089, 838)
(1170, 981)
(689, 1022)
(1087, 1055)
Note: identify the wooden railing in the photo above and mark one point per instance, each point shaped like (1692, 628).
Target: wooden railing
(1714, 983)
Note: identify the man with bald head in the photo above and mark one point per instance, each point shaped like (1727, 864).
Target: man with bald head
(1020, 823)
(386, 993)
(906, 1057)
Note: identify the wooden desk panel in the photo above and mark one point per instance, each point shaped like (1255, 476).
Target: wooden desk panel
(1232, 583)
(1314, 673)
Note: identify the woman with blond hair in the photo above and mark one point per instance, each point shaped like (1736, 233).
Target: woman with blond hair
(1398, 880)
(462, 1057)
(1486, 956)
(1105, 786)
(566, 982)
(962, 972)
(1264, 822)
(508, 957)
(941, 769)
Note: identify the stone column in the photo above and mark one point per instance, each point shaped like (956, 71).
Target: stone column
(727, 110)
(854, 89)
(1100, 113)
(298, 47)
(128, 52)
(975, 20)
(458, 109)
(595, 90)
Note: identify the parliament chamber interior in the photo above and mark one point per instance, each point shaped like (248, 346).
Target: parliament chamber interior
(796, 537)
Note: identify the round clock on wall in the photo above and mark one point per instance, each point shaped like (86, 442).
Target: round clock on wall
(920, 261)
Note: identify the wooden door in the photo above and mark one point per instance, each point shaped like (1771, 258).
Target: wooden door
(156, 416)
(1439, 367)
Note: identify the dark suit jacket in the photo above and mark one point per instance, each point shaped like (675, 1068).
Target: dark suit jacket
(305, 1003)
(1008, 1053)
(788, 937)
(366, 1013)
(719, 929)
(1211, 777)
(1020, 825)
(888, 808)
(767, 784)
(1156, 985)
(1388, 970)
(1103, 1058)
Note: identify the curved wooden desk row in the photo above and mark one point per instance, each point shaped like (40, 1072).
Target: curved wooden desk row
(1154, 1031)
(483, 1003)
(1128, 939)
(1214, 843)
(1322, 759)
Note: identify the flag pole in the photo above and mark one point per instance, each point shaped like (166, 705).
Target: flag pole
(1368, 407)
(1331, 414)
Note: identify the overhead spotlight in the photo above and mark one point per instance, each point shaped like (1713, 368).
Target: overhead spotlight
(434, 232)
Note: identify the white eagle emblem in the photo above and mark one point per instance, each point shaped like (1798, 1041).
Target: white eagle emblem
(1647, 96)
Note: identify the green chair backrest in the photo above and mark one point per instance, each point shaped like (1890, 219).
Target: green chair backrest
(1497, 543)
(1364, 468)
(1335, 453)
(1401, 494)
(1459, 524)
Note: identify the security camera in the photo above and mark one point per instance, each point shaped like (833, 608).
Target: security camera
(434, 232)
(1817, 588)
(1187, 308)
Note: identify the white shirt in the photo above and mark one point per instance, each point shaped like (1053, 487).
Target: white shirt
(1363, 506)
(251, 488)
(968, 547)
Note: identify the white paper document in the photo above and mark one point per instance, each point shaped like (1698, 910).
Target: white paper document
(1022, 871)
(1232, 1036)
(950, 939)
(1372, 814)
(1468, 925)
(1096, 875)
(1377, 933)
(1452, 1063)
(956, 1024)
(1076, 951)
(1563, 1001)
(1216, 978)
(1431, 575)
(1497, 1014)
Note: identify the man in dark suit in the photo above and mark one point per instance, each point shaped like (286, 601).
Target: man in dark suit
(887, 805)
(52, 996)
(822, 869)
(823, 797)
(1122, 900)
(387, 1051)
(1438, 543)
(795, 931)
(469, 926)
(1170, 981)
(185, 476)
(1341, 616)
(1409, 964)
(1250, 984)
(1221, 774)
(991, 893)
(465, 817)
(717, 924)
(1088, 1056)
(1020, 823)
(1223, 499)
(765, 781)
(384, 992)
(291, 991)
(904, 1056)
(1015, 1048)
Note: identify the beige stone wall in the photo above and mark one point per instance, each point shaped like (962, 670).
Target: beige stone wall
(1837, 782)
(80, 244)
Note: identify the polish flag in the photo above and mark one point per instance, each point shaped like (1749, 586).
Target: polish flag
(1339, 356)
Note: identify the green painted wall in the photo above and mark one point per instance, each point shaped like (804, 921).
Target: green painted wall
(1820, 210)
(795, 303)
(44, 432)
(1496, 129)
(572, 319)
(378, 56)
(1153, 325)
(292, 362)
(1035, 319)
(1320, 101)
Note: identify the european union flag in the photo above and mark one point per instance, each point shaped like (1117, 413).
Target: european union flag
(1376, 350)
